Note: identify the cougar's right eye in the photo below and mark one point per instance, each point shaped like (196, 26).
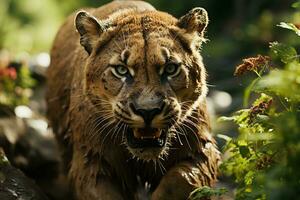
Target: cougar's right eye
(172, 69)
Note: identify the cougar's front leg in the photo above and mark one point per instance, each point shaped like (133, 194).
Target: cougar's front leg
(88, 181)
(182, 179)
(104, 190)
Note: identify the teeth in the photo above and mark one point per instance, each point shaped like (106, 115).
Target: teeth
(145, 134)
(149, 137)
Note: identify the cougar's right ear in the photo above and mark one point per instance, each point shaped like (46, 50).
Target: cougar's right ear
(90, 29)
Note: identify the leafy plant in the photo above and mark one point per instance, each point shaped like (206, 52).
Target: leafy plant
(206, 192)
(264, 158)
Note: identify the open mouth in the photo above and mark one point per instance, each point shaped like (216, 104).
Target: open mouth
(146, 138)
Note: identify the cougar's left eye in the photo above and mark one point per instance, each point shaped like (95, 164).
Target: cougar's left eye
(172, 69)
(120, 71)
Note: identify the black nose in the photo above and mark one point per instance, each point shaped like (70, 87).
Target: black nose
(147, 115)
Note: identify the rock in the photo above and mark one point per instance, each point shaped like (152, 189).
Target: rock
(36, 152)
(32, 148)
(14, 185)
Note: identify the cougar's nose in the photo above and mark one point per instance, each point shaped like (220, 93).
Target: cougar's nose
(147, 114)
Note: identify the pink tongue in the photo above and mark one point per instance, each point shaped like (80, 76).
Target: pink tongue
(149, 133)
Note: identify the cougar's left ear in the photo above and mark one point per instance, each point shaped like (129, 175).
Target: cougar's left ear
(90, 29)
(196, 20)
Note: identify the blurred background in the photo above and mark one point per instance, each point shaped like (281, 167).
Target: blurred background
(237, 29)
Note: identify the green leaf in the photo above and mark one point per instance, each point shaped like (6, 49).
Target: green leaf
(249, 177)
(226, 119)
(206, 191)
(289, 26)
(224, 137)
(248, 91)
(296, 4)
(284, 52)
(244, 151)
(262, 118)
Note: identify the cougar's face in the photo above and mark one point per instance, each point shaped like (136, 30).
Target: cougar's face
(148, 79)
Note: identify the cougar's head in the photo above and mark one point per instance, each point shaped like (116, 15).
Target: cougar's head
(144, 74)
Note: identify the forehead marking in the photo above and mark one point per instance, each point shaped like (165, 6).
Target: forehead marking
(124, 58)
(166, 56)
(145, 30)
(125, 55)
(166, 53)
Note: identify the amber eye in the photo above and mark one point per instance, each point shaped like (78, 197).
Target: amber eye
(172, 69)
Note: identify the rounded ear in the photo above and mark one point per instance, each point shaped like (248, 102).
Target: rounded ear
(89, 28)
(196, 20)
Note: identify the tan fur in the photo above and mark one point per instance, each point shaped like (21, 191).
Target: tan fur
(84, 98)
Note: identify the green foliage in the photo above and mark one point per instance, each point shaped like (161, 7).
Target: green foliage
(264, 158)
(28, 25)
(283, 83)
(249, 153)
(296, 4)
(206, 192)
(290, 26)
(285, 52)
